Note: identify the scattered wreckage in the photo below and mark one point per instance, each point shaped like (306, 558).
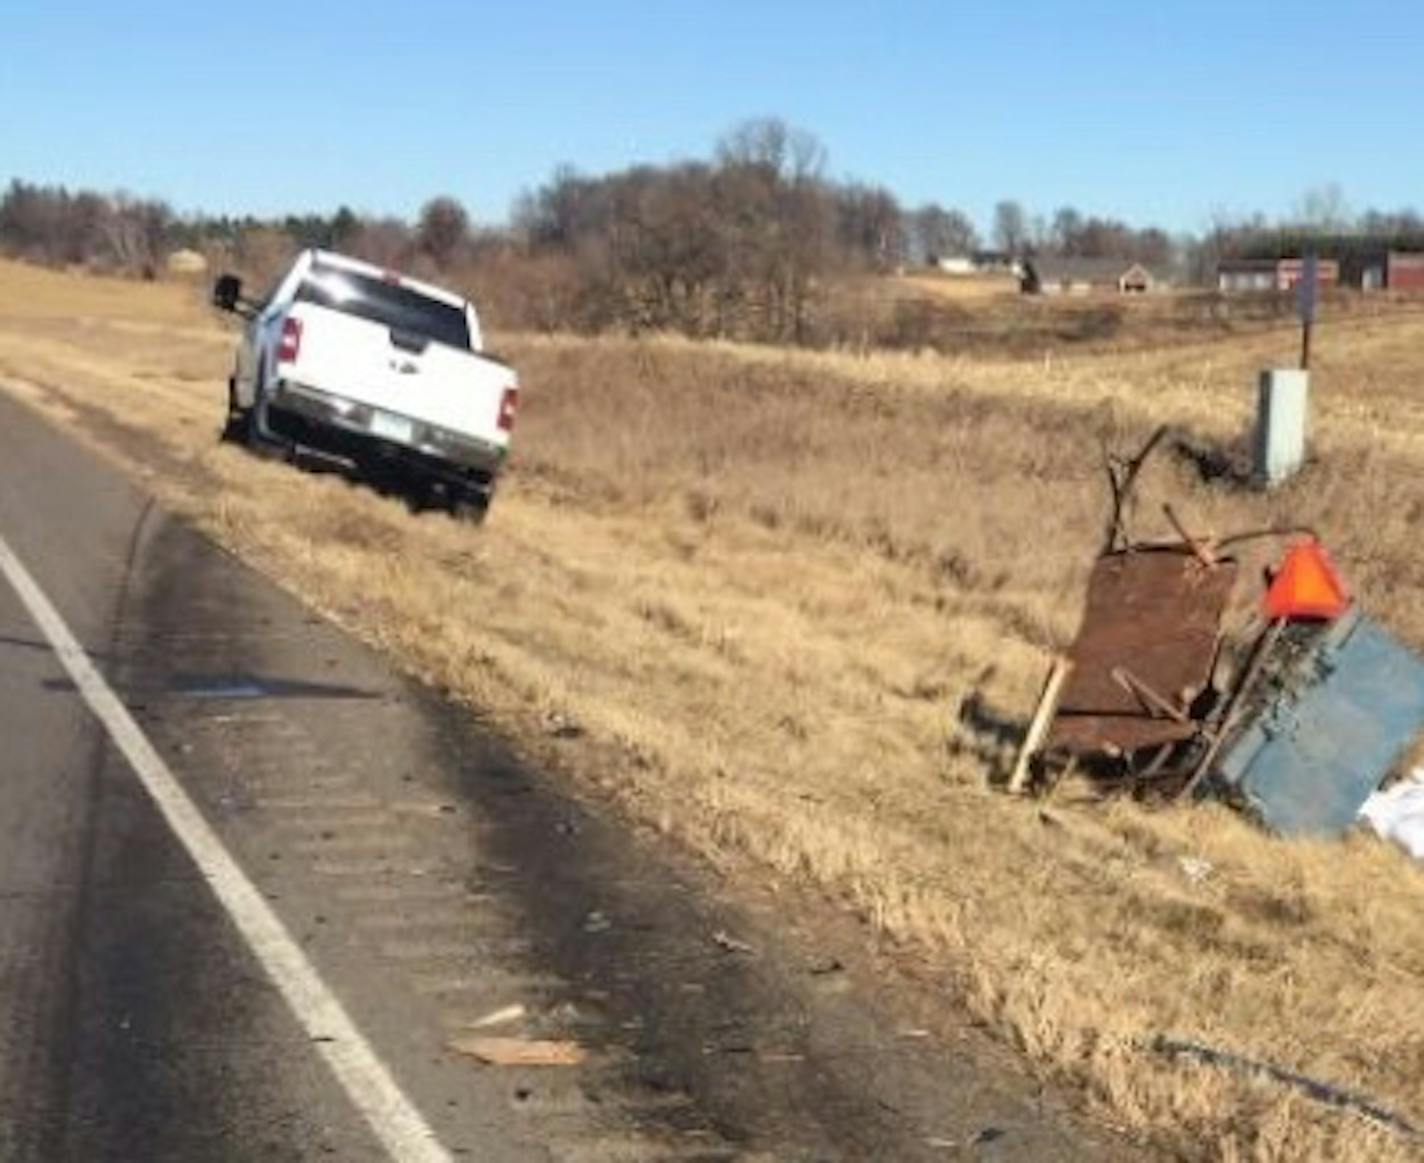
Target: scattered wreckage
(1297, 719)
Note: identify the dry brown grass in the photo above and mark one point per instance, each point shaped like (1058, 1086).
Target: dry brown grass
(768, 581)
(961, 287)
(32, 292)
(987, 319)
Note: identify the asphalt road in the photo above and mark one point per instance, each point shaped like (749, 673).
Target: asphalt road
(425, 878)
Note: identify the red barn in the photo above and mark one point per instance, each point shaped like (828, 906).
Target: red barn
(1404, 270)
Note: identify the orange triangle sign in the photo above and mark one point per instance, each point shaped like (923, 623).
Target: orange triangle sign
(1307, 586)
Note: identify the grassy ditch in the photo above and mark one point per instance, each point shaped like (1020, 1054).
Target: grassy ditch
(799, 602)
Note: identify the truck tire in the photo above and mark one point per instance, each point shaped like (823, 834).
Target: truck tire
(242, 427)
(470, 506)
(238, 428)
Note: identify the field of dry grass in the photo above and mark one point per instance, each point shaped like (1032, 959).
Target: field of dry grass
(988, 318)
(788, 596)
(961, 287)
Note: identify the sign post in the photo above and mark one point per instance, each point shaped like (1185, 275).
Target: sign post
(1306, 297)
(1283, 395)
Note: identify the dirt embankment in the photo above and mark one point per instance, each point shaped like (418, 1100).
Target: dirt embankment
(797, 606)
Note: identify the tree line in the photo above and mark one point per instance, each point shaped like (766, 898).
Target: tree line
(110, 232)
(748, 243)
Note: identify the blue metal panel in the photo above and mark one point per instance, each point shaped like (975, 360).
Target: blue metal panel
(1313, 756)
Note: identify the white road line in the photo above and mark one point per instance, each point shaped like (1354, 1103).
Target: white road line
(392, 1116)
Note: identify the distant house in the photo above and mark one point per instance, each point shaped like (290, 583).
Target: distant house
(955, 264)
(186, 262)
(980, 262)
(1271, 274)
(1394, 270)
(1086, 276)
(996, 262)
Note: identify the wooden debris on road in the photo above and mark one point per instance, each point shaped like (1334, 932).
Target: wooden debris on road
(724, 940)
(519, 1051)
(499, 1017)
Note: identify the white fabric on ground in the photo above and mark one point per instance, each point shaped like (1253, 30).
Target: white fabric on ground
(1397, 813)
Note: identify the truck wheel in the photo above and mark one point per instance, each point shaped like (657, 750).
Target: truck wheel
(248, 432)
(238, 427)
(470, 506)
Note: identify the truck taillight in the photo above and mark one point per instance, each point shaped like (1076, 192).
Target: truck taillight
(508, 403)
(290, 345)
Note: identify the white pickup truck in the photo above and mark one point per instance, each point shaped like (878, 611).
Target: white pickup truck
(380, 373)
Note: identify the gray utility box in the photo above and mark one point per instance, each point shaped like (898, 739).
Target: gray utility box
(1340, 715)
(1280, 424)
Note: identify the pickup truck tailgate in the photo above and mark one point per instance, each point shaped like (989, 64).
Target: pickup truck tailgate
(428, 381)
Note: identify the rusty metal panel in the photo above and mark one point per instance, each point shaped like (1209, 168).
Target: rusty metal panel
(1156, 614)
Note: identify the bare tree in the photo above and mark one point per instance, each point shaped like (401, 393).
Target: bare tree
(937, 232)
(262, 254)
(343, 227)
(49, 224)
(1067, 226)
(1402, 223)
(789, 153)
(1323, 209)
(1010, 227)
(564, 210)
(135, 234)
(386, 242)
(778, 219)
(871, 226)
(443, 230)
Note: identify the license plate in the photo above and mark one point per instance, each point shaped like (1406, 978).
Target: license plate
(389, 427)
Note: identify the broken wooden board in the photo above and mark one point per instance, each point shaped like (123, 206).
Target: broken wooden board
(1154, 613)
(519, 1051)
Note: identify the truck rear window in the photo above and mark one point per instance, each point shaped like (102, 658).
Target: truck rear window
(389, 304)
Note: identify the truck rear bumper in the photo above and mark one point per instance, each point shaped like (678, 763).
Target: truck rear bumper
(329, 424)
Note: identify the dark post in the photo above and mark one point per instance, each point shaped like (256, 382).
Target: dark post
(1305, 305)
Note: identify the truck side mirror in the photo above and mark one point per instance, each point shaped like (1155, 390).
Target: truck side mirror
(227, 292)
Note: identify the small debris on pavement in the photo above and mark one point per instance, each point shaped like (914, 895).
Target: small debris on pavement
(725, 940)
(596, 922)
(499, 1017)
(415, 807)
(566, 1013)
(519, 1051)
(980, 1137)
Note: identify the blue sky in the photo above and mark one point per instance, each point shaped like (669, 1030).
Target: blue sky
(1158, 112)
